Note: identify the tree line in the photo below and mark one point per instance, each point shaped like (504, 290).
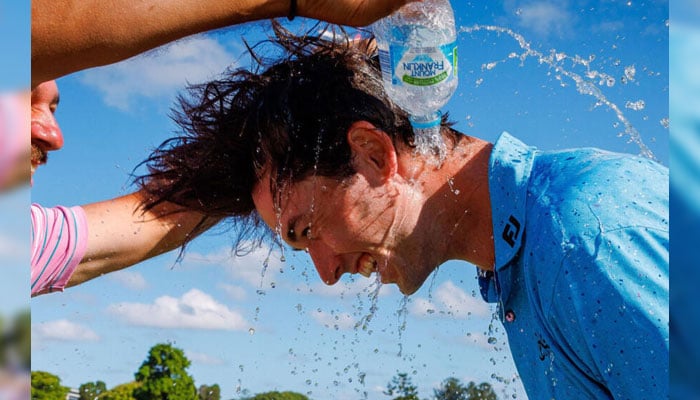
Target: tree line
(16, 341)
(163, 376)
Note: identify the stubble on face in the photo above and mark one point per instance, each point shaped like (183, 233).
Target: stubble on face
(387, 218)
(38, 157)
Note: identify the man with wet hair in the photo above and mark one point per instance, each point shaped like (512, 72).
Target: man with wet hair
(572, 245)
(71, 245)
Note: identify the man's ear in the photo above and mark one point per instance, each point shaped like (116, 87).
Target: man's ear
(373, 152)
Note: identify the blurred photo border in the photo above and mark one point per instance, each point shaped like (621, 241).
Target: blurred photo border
(684, 115)
(15, 73)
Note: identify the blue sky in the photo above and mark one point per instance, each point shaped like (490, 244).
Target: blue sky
(14, 44)
(283, 329)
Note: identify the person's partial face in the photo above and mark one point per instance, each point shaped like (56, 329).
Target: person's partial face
(351, 226)
(46, 134)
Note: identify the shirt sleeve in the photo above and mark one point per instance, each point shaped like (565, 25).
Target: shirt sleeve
(58, 244)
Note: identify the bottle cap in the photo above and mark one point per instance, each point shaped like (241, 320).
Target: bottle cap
(425, 121)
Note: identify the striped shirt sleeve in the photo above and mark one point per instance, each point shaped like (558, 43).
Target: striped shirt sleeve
(59, 242)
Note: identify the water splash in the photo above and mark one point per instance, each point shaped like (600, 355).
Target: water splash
(585, 84)
(430, 143)
(401, 315)
(363, 322)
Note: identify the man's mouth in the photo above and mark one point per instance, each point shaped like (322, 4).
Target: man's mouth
(366, 265)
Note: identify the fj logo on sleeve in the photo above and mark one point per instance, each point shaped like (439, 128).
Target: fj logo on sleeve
(511, 231)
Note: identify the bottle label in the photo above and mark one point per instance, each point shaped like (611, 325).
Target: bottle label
(422, 66)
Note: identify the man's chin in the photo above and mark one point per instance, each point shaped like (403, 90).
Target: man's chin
(406, 289)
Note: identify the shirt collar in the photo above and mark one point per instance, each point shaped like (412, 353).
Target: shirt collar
(509, 170)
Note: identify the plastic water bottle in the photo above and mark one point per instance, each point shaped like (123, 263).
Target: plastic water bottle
(418, 56)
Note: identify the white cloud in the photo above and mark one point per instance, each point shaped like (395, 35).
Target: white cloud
(194, 310)
(544, 17)
(234, 292)
(159, 73)
(421, 306)
(351, 288)
(338, 321)
(480, 340)
(63, 330)
(259, 268)
(202, 358)
(608, 26)
(129, 279)
(13, 249)
(449, 300)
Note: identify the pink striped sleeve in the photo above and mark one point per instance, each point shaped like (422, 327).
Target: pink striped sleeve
(59, 241)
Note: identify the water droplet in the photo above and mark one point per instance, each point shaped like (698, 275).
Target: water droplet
(635, 105)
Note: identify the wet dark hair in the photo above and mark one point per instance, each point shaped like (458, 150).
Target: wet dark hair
(289, 116)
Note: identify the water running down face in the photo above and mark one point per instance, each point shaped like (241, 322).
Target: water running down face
(361, 224)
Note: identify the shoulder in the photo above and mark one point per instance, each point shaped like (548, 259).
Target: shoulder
(593, 215)
(591, 189)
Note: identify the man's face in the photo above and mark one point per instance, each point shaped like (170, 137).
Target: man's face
(46, 134)
(350, 226)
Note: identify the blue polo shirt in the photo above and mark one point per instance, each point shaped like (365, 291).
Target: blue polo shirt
(581, 275)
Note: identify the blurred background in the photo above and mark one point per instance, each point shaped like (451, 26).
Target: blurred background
(684, 96)
(15, 321)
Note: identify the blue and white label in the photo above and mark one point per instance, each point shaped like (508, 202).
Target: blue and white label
(422, 66)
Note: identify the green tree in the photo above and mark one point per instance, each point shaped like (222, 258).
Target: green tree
(163, 375)
(91, 390)
(207, 392)
(125, 391)
(22, 337)
(3, 341)
(402, 387)
(279, 396)
(451, 389)
(482, 391)
(47, 386)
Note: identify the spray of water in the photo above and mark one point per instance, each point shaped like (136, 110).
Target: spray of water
(585, 84)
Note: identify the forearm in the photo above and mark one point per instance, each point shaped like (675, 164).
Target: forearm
(71, 35)
(120, 234)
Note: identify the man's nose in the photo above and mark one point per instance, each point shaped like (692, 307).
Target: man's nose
(48, 133)
(327, 266)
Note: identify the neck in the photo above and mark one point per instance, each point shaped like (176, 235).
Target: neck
(456, 214)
